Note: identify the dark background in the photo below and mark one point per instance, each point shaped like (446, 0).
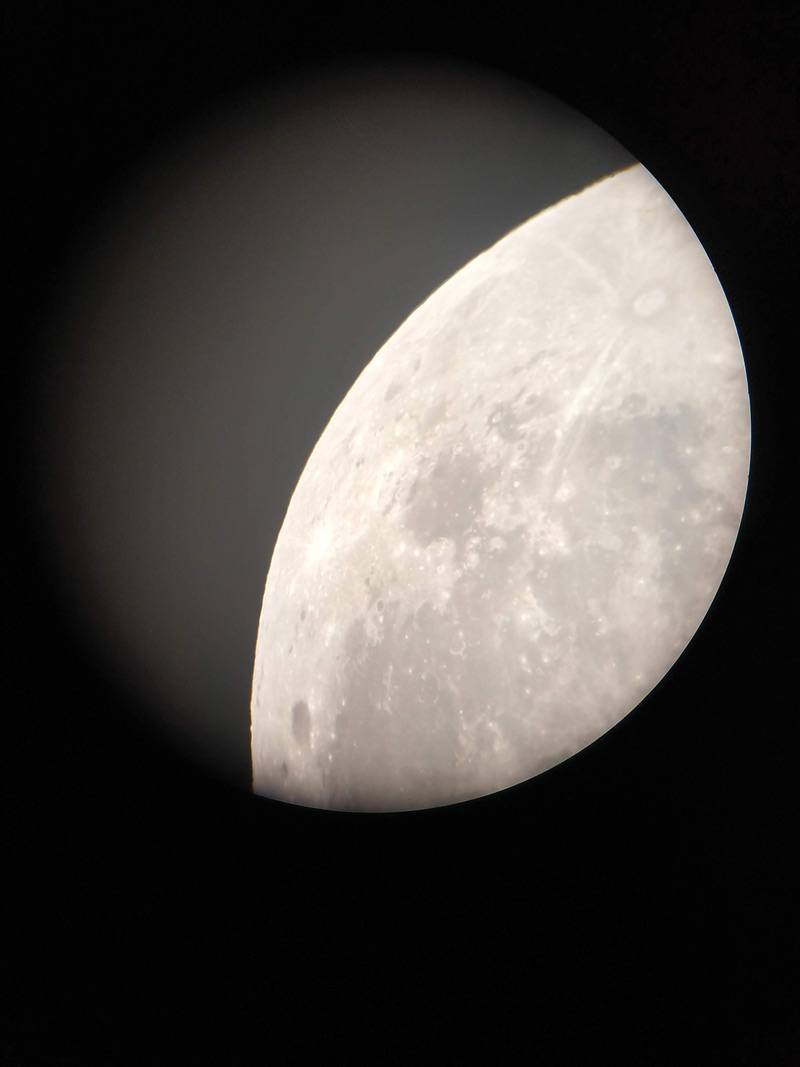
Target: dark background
(636, 904)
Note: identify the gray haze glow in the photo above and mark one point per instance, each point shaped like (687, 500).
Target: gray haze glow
(218, 311)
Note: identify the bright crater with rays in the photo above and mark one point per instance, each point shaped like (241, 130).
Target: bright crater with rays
(515, 521)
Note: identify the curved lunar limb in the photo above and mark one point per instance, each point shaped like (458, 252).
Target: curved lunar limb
(514, 522)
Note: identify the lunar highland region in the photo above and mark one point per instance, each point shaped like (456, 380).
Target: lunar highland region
(514, 522)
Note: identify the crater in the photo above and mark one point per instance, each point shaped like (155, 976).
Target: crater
(503, 420)
(648, 303)
(301, 723)
(633, 404)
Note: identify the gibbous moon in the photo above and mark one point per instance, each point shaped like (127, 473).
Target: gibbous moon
(514, 522)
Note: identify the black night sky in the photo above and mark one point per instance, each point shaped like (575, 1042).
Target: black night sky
(636, 904)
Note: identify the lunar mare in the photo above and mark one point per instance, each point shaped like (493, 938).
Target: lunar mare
(514, 522)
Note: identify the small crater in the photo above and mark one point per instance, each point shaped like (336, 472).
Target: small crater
(284, 770)
(302, 615)
(538, 405)
(429, 687)
(379, 605)
(393, 391)
(647, 304)
(301, 723)
(633, 403)
(503, 420)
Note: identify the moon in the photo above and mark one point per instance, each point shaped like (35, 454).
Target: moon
(514, 522)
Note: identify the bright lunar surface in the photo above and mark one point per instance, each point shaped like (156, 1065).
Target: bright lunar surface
(514, 522)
